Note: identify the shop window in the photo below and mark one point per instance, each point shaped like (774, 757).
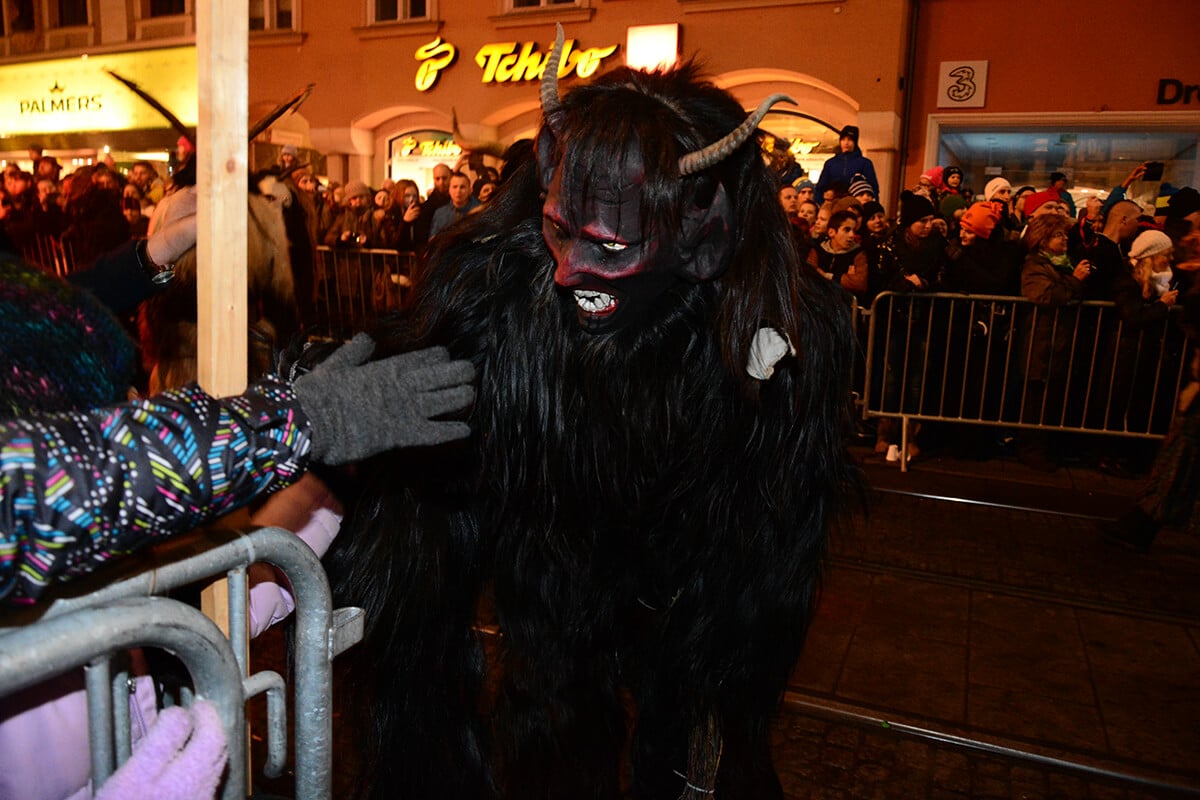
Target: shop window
(1095, 158)
(272, 16)
(399, 10)
(166, 8)
(20, 15)
(72, 13)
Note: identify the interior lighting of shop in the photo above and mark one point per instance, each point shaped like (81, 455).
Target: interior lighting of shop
(652, 47)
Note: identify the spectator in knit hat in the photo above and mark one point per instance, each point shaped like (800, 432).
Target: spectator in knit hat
(289, 157)
(354, 227)
(876, 232)
(845, 164)
(952, 202)
(1047, 202)
(913, 261)
(1000, 192)
(997, 190)
(1143, 293)
(982, 259)
(861, 190)
(805, 190)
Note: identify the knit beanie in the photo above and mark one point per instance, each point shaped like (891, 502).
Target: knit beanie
(934, 176)
(1149, 243)
(980, 219)
(804, 183)
(63, 349)
(914, 207)
(950, 171)
(1038, 199)
(357, 189)
(871, 208)
(993, 186)
(860, 185)
(849, 131)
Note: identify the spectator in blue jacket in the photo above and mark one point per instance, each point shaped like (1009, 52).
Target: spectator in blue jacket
(846, 164)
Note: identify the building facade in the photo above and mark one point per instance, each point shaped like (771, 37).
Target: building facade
(1016, 89)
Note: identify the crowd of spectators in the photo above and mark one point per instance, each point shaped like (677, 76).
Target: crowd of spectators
(96, 207)
(1020, 242)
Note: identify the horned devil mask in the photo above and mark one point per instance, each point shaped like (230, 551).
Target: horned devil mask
(626, 217)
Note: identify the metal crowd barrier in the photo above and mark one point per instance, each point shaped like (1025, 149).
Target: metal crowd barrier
(1009, 362)
(92, 625)
(51, 254)
(354, 287)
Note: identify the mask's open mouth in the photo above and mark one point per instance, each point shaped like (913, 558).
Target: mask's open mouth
(602, 306)
(595, 303)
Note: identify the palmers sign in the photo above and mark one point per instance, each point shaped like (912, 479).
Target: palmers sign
(507, 62)
(76, 94)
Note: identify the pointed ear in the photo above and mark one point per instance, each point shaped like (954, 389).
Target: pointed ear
(543, 148)
(706, 236)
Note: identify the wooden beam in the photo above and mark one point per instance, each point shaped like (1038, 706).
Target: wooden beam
(222, 151)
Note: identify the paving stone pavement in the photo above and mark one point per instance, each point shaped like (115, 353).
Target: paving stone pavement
(823, 760)
(1013, 627)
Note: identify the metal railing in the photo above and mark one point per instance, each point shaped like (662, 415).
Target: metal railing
(354, 287)
(92, 625)
(1009, 362)
(51, 254)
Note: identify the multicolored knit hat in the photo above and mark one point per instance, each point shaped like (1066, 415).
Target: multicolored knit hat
(62, 348)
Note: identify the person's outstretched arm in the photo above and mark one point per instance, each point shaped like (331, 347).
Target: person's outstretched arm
(78, 489)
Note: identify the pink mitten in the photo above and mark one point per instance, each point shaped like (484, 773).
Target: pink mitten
(181, 758)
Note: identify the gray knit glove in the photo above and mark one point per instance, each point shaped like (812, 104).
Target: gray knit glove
(359, 409)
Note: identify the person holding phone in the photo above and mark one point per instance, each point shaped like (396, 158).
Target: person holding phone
(401, 226)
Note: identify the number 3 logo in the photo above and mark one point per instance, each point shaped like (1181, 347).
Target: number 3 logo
(963, 87)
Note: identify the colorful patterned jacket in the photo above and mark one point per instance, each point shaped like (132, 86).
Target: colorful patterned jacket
(81, 488)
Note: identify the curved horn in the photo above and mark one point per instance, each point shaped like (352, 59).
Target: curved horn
(490, 148)
(717, 151)
(551, 103)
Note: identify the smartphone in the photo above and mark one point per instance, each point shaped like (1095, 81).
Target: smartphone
(1154, 171)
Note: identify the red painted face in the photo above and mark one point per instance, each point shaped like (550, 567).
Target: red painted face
(614, 265)
(609, 265)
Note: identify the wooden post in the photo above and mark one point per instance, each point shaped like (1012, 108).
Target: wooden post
(222, 186)
(222, 177)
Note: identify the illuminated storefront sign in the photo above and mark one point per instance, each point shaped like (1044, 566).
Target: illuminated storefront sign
(426, 148)
(507, 62)
(415, 154)
(74, 94)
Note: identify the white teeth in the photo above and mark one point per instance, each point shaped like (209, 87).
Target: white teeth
(594, 302)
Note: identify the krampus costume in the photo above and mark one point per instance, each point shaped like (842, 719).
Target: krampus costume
(647, 515)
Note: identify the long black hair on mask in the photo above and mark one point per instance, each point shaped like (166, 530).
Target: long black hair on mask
(648, 519)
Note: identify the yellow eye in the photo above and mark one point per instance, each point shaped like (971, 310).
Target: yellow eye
(614, 247)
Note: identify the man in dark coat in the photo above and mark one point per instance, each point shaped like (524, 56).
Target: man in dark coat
(846, 164)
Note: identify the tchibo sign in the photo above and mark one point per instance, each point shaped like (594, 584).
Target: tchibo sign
(1172, 91)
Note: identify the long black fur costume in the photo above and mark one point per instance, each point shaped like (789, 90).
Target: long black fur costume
(650, 519)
